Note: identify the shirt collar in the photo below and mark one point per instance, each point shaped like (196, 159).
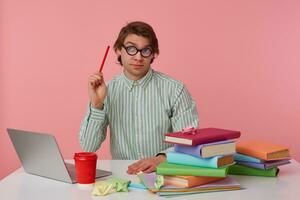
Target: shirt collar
(141, 82)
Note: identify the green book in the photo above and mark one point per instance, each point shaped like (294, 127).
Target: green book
(249, 171)
(166, 168)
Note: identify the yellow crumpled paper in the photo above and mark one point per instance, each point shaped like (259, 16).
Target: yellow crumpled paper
(102, 188)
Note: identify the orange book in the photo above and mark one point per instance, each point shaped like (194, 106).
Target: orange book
(263, 150)
(189, 181)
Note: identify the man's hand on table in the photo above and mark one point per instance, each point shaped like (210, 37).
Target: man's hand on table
(146, 165)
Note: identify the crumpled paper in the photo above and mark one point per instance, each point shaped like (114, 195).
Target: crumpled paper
(109, 186)
(152, 181)
(159, 181)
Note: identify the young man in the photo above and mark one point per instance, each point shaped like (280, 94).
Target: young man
(139, 106)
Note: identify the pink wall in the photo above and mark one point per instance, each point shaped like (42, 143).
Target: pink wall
(239, 59)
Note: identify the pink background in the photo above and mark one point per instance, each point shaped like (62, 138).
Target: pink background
(239, 60)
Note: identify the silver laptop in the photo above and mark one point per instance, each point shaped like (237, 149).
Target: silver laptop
(40, 155)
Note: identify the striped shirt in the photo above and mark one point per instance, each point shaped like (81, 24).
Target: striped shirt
(138, 114)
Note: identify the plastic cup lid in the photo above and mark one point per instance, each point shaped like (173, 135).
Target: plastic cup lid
(85, 156)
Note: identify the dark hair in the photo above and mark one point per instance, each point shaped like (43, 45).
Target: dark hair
(141, 29)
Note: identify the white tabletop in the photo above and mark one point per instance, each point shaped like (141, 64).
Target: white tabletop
(20, 185)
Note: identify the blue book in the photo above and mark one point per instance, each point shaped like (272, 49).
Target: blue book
(225, 147)
(266, 165)
(186, 159)
(245, 158)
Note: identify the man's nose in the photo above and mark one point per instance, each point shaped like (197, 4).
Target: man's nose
(138, 56)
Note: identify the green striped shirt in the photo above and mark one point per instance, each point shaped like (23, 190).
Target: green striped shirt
(138, 114)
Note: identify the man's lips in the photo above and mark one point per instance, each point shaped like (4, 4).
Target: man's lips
(137, 65)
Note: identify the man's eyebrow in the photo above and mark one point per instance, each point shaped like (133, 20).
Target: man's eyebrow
(130, 43)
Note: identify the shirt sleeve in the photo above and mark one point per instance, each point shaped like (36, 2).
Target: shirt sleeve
(93, 129)
(165, 151)
(184, 111)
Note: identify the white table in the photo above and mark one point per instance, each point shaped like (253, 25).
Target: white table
(20, 185)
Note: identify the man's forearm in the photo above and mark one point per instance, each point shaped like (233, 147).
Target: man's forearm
(93, 130)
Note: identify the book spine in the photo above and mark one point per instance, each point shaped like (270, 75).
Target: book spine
(271, 164)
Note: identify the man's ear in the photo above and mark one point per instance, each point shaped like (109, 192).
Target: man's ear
(152, 59)
(118, 52)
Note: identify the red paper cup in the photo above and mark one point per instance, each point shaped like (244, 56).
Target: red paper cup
(85, 165)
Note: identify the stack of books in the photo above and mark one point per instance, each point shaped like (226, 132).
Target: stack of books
(259, 158)
(199, 162)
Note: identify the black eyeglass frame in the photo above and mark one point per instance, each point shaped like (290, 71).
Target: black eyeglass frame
(137, 50)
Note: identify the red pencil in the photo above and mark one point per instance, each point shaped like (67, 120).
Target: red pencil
(104, 58)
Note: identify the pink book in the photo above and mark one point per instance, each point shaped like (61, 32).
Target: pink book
(192, 136)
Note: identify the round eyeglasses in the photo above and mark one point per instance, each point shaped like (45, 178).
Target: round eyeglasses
(132, 50)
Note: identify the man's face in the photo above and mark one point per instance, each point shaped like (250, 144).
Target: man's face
(135, 66)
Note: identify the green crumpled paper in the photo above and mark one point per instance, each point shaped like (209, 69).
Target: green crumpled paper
(159, 181)
(102, 188)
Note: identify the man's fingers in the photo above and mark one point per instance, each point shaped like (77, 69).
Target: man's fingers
(95, 81)
(141, 167)
(98, 75)
(144, 167)
(96, 78)
(134, 166)
(150, 169)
